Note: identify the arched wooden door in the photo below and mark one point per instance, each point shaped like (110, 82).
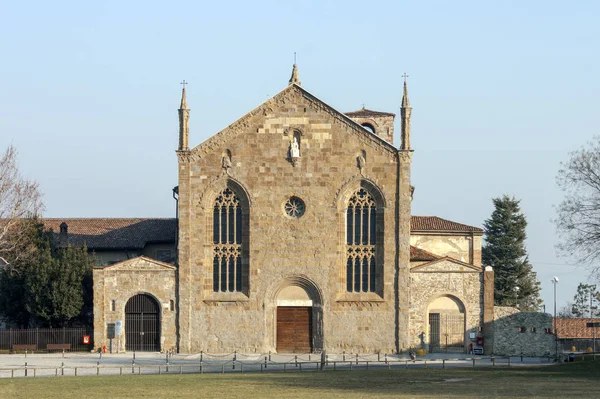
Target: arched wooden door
(142, 324)
(294, 321)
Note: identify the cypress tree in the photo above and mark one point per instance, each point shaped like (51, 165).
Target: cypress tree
(515, 282)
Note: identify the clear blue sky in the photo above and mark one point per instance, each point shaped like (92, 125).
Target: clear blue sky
(501, 92)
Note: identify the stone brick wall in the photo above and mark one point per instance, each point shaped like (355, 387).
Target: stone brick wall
(532, 341)
(120, 282)
(308, 251)
(383, 126)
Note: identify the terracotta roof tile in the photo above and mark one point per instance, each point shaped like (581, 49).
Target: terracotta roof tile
(109, 233)
(418, 254)
(434, 223)
(367, 113)
(576, 328)
(135, 233)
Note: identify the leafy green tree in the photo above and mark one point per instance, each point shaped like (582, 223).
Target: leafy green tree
(515, 281)
(582, 306)
(45, 285)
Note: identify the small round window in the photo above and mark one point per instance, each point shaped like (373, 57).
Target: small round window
(294, 207)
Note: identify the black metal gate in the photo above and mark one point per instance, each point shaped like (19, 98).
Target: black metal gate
(142, 324)
(434, 332)
(446, 332)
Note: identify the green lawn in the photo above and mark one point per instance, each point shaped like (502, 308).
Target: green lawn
(575, 380)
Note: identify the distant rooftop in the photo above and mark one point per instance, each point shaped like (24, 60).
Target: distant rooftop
(115, 233)
(418, 254)
(367, 113)
(434, 223)
(576, 328)
(136, 233)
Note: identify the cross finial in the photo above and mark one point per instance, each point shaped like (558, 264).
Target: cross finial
(294, 57)
(405, 76)
(363, 105)
(183, 99)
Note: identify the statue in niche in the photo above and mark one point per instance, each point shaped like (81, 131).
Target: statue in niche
(294, 149)
(293, 155)
(361, 161)
(226, 163)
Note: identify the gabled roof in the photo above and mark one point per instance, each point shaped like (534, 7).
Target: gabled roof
(367, 113)
(446, 264)
(434, 223)
(117, 233)
(240, 125)
(576, 328)
(418, 254)
(140, 263)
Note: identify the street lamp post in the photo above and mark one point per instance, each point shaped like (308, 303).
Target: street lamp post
(555, 282)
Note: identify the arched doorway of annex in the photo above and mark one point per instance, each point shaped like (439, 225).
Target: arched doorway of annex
(142, 323)
(298, 316)
(446, 324)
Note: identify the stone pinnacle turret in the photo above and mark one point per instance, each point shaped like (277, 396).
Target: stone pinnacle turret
(405, 112)
(184, 116)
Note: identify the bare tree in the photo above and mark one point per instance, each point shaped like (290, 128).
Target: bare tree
(578, 218)
(19, 198)
(566, 312)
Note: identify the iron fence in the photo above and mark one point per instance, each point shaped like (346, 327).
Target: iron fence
(233, 366)
(579, 345)
(45, 339)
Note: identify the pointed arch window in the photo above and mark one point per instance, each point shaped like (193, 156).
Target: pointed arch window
(362, 270)
(228, 243)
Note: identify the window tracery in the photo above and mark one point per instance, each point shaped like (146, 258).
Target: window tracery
(227, 243)
(361, 243)
(294, 207)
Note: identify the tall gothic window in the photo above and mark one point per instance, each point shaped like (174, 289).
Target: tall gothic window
(227, 239)
(361, 243)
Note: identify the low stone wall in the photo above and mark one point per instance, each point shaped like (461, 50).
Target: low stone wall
(527, 333)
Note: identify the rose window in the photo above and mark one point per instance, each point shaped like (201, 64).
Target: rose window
(294, 207)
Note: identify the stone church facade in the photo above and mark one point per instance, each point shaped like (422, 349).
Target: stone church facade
(294, 234)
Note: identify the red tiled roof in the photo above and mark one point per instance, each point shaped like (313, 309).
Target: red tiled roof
(576, 328)
(418, 254)
(109, 233)
(434, 223)
(135, 233)
(367, 113)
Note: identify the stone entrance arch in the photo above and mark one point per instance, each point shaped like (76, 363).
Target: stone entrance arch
(446, 315)
(298, 316)
(142, 324)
